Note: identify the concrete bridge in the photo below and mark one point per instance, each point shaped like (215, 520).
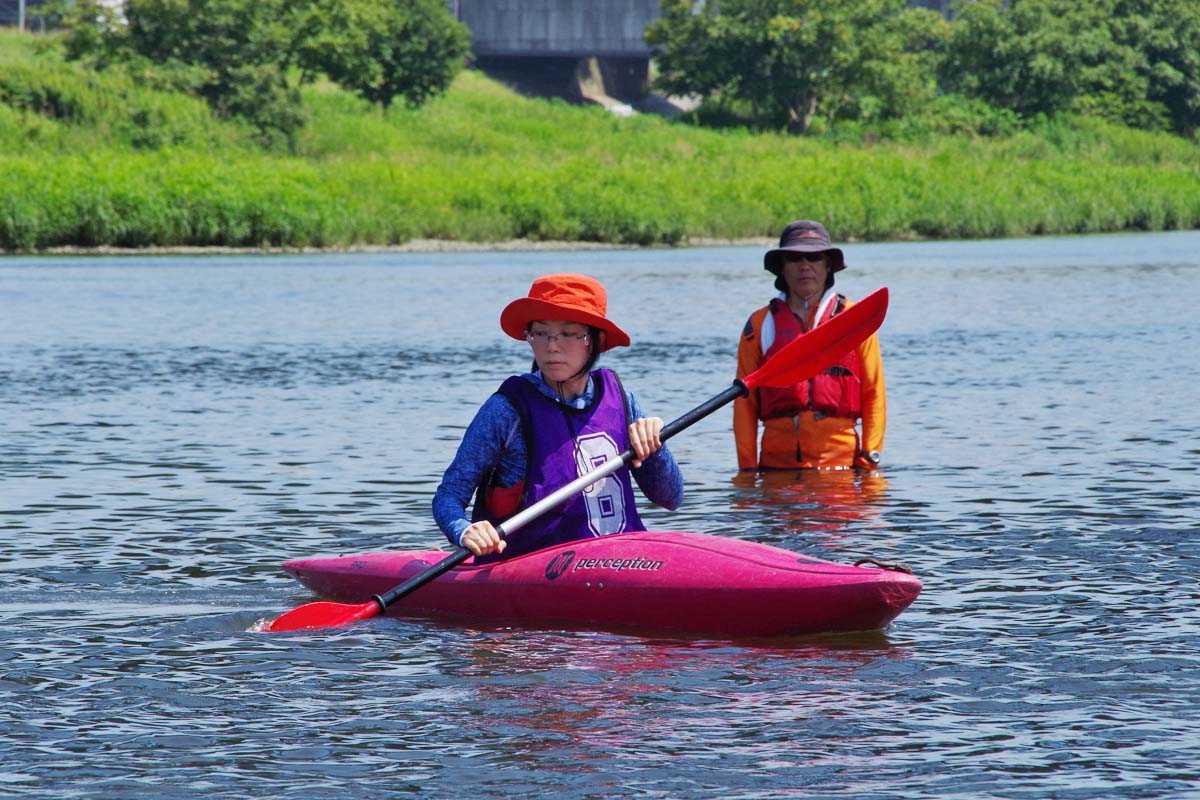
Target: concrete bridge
(557, 28)
(589, 51)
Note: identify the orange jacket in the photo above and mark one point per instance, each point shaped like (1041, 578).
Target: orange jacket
(809, 439)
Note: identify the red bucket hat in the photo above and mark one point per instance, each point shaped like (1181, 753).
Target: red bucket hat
(567, 296)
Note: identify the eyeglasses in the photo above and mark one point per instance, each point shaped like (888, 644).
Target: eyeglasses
(543, 338)
(811, 258)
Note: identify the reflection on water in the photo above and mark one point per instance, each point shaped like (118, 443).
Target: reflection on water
(831, 504)
(171, 429)
(593, 691)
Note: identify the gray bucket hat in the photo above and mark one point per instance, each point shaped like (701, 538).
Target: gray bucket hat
(804, 236)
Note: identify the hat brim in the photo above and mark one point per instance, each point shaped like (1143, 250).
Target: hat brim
(773, 260)
(517, 315)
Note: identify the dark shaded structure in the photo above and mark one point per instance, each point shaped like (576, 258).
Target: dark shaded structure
(11, 13)
(581, 50)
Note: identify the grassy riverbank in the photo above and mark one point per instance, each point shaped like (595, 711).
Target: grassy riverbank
(91, 160)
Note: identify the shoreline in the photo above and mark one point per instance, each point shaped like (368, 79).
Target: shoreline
(412, 246)
(511, 245)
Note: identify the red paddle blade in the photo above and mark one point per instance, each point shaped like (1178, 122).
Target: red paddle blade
(322, 615)
(821, 347)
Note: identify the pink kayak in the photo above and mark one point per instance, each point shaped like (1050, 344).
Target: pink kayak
(661, 580)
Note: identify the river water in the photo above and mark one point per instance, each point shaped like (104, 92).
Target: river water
(172, 428)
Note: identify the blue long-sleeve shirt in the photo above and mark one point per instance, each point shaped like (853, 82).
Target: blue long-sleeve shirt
(494, 440)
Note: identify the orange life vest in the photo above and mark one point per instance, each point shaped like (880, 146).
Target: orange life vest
(835, 392)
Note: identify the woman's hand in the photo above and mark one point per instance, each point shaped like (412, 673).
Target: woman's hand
(482, 538)
(643, 438)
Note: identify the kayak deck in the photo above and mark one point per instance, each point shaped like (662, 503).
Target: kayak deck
(663, 580)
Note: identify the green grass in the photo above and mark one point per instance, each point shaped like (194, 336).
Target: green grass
(93, 159)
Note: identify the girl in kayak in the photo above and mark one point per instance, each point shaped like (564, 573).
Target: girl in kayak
(811, 424)
(544, 428)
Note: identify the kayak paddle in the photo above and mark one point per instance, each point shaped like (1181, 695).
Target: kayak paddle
(804, 357)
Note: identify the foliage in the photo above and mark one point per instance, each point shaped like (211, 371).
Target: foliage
(238, 50)
(1029, 56)
(248, 58)
(384, 50)
(795, 60)
(483, 164)
(880, 68)
(956, 115)
(1135, 61)
(66, 106)
(1167, 35)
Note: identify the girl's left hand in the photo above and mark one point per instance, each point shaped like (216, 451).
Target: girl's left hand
(643, 438)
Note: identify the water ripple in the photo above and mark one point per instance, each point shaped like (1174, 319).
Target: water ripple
(199, 421)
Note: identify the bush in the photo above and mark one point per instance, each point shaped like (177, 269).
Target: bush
(484, 164)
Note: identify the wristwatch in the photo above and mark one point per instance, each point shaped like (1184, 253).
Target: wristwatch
(872, 456)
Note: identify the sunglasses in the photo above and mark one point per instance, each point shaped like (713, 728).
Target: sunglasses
(811, 258)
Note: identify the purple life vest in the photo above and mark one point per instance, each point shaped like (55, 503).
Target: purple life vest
(563, 443)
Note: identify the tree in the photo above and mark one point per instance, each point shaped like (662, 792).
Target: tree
(248, 58)
(1132, 61)
(1167, 35)
(1030, 56)
(385, 50)
(792, 60)
(234, 53)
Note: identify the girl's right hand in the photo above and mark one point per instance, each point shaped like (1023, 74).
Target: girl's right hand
(482, 539)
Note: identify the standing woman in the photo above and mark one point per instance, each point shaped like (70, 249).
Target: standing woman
(811, 424)
(543, 429)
